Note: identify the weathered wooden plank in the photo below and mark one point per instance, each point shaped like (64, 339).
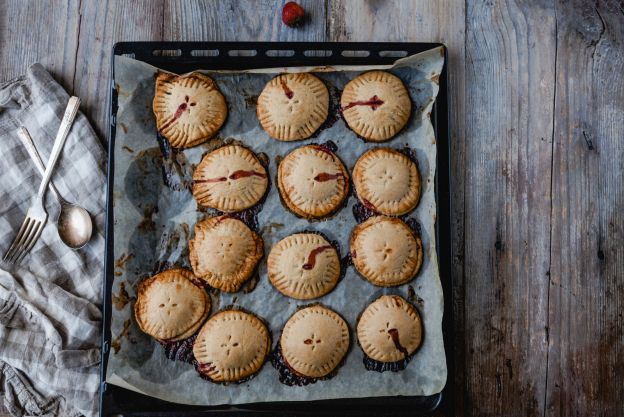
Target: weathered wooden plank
(248, 20)
(424, 21)
(510, 49)
(102, 24)
(23, 43)
(586, 358)
(35, 31)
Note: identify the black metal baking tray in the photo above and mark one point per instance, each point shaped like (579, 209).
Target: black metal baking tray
(181, 57)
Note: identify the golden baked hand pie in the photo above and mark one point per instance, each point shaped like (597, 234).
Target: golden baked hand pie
(386, 251)
(189, 108)
(225, 252)
(312, 181)
(303, 266)
(171, 306)
(314, 341)
(230, 179)
(389, 329)
(376, 105)
(293, 106)
(387, 181)
(231, 346)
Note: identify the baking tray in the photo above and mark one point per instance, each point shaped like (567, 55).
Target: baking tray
(182, 57)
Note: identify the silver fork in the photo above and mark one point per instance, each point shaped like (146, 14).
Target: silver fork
(36, 216)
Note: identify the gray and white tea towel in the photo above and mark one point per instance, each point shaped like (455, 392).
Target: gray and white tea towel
(50, 305)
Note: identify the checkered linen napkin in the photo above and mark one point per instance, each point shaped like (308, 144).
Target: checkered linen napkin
(50, 304)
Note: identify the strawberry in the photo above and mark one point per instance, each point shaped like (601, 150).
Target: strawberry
(292, 14)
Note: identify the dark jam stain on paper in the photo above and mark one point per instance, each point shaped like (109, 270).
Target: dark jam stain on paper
(180, 350)
(147, 224)
(362, 210)
(290, 377)
(373, 365)
(116, 343)
(176, 170)
(121, 299)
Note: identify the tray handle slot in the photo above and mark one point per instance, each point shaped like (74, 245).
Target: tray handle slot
(318, 52)
(279, 52)
(205, 52)
(242, 52)
(167, 52)
(355, 54)
(393, 54)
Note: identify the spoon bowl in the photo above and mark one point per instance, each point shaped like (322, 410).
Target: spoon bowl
(74, 225)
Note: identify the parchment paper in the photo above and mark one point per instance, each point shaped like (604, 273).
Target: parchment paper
(154, 221)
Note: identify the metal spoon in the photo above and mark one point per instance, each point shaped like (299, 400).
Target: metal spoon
(74, 223)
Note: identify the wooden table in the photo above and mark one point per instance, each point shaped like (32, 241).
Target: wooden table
(537, 123)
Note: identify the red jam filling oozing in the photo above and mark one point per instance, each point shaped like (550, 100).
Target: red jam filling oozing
(204, 368)
(178, 113)
(289, 93)
(394, 334)
(374, 102)
(234, 176)
(312, 257)
(323, 149)
(324, 176)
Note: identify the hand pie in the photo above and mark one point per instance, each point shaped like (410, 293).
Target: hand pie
(225, 252)
(189, 108)
(389, 330)
(303, 266)
(387, 181)
(376, 105)
(312, 181)
(293, 106)
(229, 179)
(171, 306)
(386, 251)
(314, 341)
(231, 346)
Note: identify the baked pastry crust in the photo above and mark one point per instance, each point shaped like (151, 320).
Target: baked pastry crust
(387, 181)
(376, 105)
(225, 252)
(293, 106)
(189, 108)
(386, 251)
(229, 179)
(303, 266)
(389, 329)
(314, 341)
(312, 181)
(231, 346)
(170, 306)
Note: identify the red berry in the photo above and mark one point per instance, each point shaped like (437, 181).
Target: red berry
(292, 14)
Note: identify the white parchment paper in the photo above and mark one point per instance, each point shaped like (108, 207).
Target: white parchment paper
(154, 218)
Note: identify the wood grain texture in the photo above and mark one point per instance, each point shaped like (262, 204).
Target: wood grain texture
(586, 349)
(248, 20)
(510, 50)
(23, 42)
(102, 24)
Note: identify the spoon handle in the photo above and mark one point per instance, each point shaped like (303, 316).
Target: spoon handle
(28, 143)
(59, 141)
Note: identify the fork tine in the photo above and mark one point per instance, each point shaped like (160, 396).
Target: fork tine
(19, 245)
(29, 245)
(16, 240)
(22, 248)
